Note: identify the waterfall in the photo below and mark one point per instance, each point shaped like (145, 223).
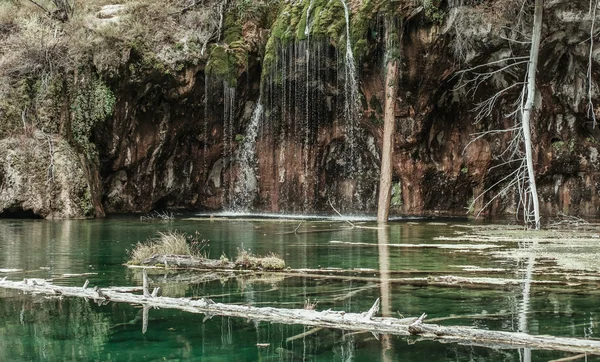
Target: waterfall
(228, 118)
(307, 114)
(351, 101)
(309, 123)
(352, 111)
(205, 129)
(246, 186)
(308, 25)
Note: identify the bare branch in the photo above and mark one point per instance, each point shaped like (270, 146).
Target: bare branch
(484, 109)
(490, 63)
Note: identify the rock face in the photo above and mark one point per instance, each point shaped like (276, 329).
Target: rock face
(42, 175)
(179, 135)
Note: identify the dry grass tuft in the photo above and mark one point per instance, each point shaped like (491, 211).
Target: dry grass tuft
(167, 243)
(247, 260)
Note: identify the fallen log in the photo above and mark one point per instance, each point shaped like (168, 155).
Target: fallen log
(245, 261)
(187, 261)
(324, 319)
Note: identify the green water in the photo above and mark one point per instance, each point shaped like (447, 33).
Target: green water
(38, 328)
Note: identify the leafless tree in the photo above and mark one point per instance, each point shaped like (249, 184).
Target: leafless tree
(519, 150)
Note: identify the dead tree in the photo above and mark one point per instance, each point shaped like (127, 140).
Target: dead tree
(532, 201)
(519, 151)
(389, 121)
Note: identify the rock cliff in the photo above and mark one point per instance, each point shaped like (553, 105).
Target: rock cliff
(277, 106)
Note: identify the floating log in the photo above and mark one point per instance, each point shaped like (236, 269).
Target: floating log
(324, 319)
(187, 261)
(245, 261)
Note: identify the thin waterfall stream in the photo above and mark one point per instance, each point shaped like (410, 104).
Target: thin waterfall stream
(352, 111)
(246, 186)
(228, 121)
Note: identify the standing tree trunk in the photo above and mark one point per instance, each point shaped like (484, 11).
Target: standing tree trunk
(389, 122)
(528, 108)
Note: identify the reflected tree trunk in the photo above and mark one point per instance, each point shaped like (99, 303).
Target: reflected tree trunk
(383, 241)
(526, 298)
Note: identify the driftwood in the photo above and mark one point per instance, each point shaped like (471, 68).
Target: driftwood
(324, 319)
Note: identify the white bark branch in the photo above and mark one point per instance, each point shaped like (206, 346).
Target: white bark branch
(324, 319)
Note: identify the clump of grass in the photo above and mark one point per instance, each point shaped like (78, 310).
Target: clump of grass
(247, 260)
(168, 243)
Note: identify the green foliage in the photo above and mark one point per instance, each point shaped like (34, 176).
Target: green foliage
(396, 199)
(222, 64)
(557, 145)
(87, 206)
(571, 145)
(361, 23)
(93, 103)
(239, 138)
(464, 170)
(226, 61)
(326, 18)
(330, 21)
(433, 12)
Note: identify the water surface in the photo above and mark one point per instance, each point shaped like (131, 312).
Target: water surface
(42, 328)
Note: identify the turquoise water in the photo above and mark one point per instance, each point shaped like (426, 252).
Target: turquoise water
(40, 328)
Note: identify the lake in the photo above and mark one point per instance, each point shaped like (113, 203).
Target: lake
(374, 262)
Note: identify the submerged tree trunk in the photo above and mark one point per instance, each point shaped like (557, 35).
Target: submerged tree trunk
(527, 110)
(389, 123)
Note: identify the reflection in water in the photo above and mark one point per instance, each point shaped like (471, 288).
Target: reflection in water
(383, 242)
(36, 327)
(530, 249)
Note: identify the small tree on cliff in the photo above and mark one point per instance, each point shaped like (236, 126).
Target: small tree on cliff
(523, 178)
(389, 119)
